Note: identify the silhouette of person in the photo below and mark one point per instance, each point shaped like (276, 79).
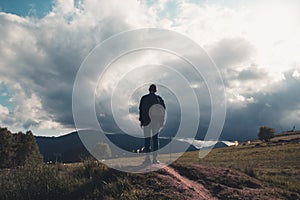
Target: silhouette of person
(152, 113)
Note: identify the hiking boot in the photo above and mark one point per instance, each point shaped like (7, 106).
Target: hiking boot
(147, 161)
(155, 161)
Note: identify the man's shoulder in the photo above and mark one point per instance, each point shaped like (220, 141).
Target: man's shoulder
(151, 96)
(145, 96)
(159, 97)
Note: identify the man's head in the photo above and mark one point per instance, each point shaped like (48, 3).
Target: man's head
(152, 88)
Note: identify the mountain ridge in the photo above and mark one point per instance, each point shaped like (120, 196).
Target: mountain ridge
(69, 148)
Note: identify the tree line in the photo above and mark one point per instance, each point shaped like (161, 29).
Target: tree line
(16, 149)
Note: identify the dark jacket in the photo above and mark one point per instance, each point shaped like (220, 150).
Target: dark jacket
(145, 104)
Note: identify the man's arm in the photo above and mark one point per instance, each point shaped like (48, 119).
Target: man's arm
(162, 102)
(140, 111)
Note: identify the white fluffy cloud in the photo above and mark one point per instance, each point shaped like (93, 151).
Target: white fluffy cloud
(3, 110)
(255, 47)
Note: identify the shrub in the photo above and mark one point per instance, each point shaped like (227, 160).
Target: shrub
(265, 133)
(102, 150)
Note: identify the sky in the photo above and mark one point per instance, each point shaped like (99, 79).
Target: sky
(255, 45)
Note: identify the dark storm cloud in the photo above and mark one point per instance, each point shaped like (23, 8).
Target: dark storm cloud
(275, 108)
(247, 76)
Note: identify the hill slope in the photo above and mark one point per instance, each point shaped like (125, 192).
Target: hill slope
(255, 171)
(276, 163)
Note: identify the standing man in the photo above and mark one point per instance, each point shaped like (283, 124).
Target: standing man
(152, 114)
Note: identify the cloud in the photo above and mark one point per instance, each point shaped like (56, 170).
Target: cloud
(231, 51)
(5, 116)
(277, 107)
(4, 94)
(39, 59)
(3, 110)
(252, 73)
(247, 79)
(29, 123)
(296, 74)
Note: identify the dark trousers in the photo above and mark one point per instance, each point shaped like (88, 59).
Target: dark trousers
(155, 144)
(151, 132)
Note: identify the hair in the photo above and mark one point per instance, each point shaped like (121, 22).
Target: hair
(152, 88)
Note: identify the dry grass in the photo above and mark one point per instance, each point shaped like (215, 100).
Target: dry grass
(277, 164)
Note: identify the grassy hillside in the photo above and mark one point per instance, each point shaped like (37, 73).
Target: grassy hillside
(277, 163)
(255, 171)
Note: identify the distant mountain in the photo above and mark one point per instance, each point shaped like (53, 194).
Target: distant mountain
(66, 148)
(69, 148)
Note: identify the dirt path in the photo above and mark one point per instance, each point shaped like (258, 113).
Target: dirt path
(192, 189)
